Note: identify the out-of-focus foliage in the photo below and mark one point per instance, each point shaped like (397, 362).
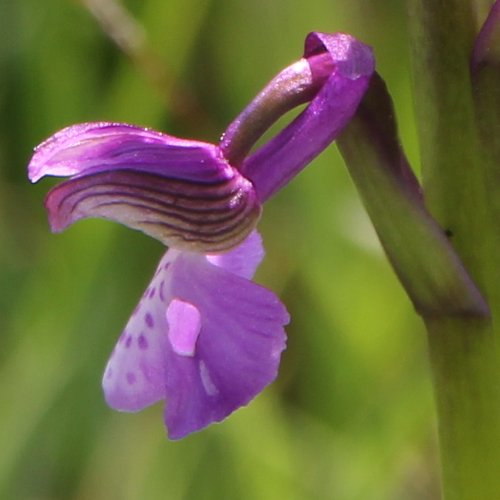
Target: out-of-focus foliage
(351, 415)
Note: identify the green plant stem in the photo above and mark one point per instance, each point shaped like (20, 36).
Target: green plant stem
(465, 375)
(463, 351)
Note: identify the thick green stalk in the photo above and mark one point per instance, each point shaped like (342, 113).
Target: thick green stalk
(456, 315)
(463, 351)
(465, 375)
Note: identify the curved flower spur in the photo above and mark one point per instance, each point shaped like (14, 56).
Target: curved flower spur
(204, 337)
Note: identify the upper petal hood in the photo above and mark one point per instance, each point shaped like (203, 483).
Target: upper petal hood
(180, 192)
(103, 146)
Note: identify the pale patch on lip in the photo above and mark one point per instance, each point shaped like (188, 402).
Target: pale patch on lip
(184, 325)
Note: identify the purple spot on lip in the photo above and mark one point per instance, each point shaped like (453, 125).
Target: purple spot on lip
(162, 296)
(131, 378)
(149, 320)
(142, 341)
(152, 292)
(128, 341)
(166, 266)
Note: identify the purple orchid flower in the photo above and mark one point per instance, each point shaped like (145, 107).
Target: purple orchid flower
(204, 337)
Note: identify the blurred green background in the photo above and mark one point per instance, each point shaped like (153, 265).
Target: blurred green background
(351, 415)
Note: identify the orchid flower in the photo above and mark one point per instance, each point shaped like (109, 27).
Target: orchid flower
(204, 337)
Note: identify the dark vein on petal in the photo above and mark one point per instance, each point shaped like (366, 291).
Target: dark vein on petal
(179, 195)
(191, 223)
(214, 208)
(186, 213)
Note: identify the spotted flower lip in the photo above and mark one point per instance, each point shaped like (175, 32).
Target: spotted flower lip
(204, 337)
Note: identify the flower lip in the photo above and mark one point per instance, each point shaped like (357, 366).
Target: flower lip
(204, 338)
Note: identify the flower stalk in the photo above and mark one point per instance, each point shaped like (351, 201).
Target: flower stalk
(426, 263)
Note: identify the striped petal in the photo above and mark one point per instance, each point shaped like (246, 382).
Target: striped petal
(182, 193)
